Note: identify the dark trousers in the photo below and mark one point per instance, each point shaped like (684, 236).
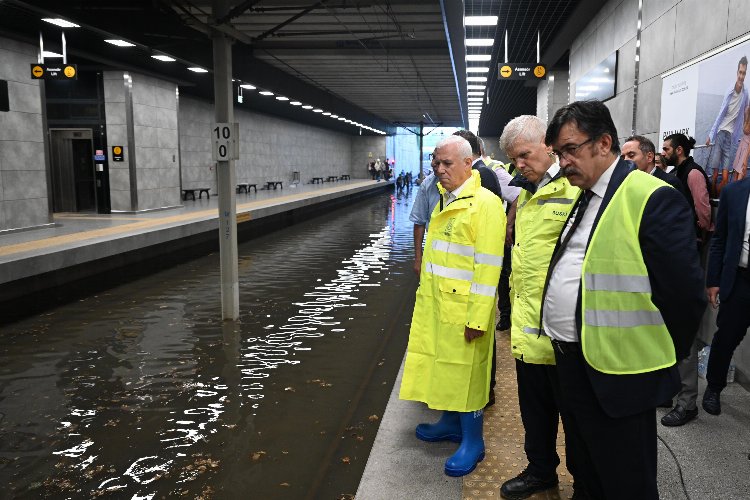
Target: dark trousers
(733, 322)
(539, 414)
(503, 287)
(615, 457)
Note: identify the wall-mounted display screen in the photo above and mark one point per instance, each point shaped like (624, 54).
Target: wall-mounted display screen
(600, 82)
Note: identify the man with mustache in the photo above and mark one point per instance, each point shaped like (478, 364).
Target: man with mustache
(620, 305)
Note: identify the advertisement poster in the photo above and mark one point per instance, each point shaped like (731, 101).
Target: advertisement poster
(702, 95)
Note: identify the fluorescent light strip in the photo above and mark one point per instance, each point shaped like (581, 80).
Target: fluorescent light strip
(265, 92)
(327, 113)
(478, 57)
(198, 70)
(476, 78)
(477, 69)
(479, 42)
(164, 58)
(247, 86)
(475, 87)
(474, 92)
(281, 98)
(307, 106)
(60, 22)
(48, 53)
(480, 20)
(295, 103)
(120, 43)
(317, 110)
(334, 116)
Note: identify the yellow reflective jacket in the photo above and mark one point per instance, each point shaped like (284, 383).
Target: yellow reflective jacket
(540, 218)
(622, 331)
(457, 289)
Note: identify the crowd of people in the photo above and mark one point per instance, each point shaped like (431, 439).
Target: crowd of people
(603, 303)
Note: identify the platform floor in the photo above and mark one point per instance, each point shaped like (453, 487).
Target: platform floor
(707, 458)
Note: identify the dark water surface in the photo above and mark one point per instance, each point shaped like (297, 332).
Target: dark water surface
(142, 391)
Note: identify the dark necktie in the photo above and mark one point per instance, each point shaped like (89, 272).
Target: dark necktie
(583, 203)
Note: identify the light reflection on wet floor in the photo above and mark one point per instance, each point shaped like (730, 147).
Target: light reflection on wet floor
(142, 392)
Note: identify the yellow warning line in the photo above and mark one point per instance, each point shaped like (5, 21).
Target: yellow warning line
(154, 222)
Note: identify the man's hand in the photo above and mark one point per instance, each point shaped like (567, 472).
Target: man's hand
(471, 334)
(417, 266)
(509, 235)
(713, 296)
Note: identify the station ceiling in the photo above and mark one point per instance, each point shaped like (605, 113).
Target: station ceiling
(376, 62)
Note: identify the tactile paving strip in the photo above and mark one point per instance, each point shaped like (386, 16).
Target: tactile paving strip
(503, 439)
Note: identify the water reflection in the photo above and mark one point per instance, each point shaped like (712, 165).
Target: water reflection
(142, 391)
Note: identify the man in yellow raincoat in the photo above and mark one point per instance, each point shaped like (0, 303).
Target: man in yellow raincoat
(449, 356)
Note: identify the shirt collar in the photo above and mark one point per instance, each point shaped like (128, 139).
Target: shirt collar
(457, 192)
(475, 161)
(549, 175)
(600, 187)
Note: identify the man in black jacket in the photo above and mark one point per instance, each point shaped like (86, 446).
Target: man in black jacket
(607, 386)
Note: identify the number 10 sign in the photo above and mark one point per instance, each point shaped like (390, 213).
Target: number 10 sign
(224, 140)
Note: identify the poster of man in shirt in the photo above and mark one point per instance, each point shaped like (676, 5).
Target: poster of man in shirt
(709, 100)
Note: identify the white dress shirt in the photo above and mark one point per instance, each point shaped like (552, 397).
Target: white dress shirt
(745, 250)
(548, 175)
(559, 308)
(451, 196)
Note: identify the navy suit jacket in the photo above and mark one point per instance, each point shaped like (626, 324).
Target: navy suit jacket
(488, 178)
(726, 243)
(667, 239)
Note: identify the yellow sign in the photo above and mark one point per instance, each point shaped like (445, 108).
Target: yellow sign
(117, 150)
(69, 71)
(506, 71)
(539, 71)
(37, 71)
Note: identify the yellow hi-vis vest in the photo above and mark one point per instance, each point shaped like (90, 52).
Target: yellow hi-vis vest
(622, 331)
(540, 218)
(457, 288)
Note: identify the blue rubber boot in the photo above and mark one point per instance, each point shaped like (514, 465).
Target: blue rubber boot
(448, 428)
(471, 451)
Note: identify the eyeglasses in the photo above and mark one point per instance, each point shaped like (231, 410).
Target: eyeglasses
(570, 151)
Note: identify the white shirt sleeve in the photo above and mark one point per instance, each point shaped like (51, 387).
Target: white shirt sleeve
(509, 193)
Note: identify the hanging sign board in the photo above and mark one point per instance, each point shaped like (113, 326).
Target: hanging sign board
(54, 72)
(521, 71)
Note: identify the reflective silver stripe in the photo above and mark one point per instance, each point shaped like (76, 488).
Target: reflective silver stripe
(532, 331)
(623, 319)
(486, 290)
(618, 283)
(449, 272)
(454, 248)
(560, 201)
(489, 259)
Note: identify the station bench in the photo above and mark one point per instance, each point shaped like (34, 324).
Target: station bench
(191, 192)
(316, 180)
(244, 186)
(273, 184)
(332, 178)
(345, 177)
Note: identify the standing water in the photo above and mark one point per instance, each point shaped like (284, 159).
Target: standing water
(143, 392)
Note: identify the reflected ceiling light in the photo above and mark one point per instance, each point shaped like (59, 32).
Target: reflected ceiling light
(295, 103)
(247, 86)
(164, 58)
(48, 53)
(476, 78)
(478, 57)
(265, 92)
(120, 43)
(306, 106)
(317, 110)
(198, 70)
(477, 69)
(327, 113)
(281, 98)
(479, 42)
(60, 22)
(480, 20)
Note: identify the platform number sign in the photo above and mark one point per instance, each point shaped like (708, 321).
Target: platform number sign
(224, 141)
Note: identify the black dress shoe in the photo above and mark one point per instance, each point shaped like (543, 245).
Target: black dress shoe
(711, 401)
(679, 416)
(526, 484)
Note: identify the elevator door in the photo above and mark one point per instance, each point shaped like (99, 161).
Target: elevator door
(73, 178)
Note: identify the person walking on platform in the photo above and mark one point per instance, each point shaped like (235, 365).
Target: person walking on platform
(449, 354)
(542, 209)
(728, 275)
(424, 203)
(620, 305)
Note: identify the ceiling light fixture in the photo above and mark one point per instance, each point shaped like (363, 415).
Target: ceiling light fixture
(478, 57)
(477, 69)
(265, 92)
(475, 87)
(327, 113)
(120, 43)
(306, 106)
(480, 20)
(317, 110)
(164, 58)
(479, 42)
(47, 53)
(476, 78)
(247, 86)
(281, 98)
(295, 103)
(60, 22)
(198, 70)
(334, 116)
